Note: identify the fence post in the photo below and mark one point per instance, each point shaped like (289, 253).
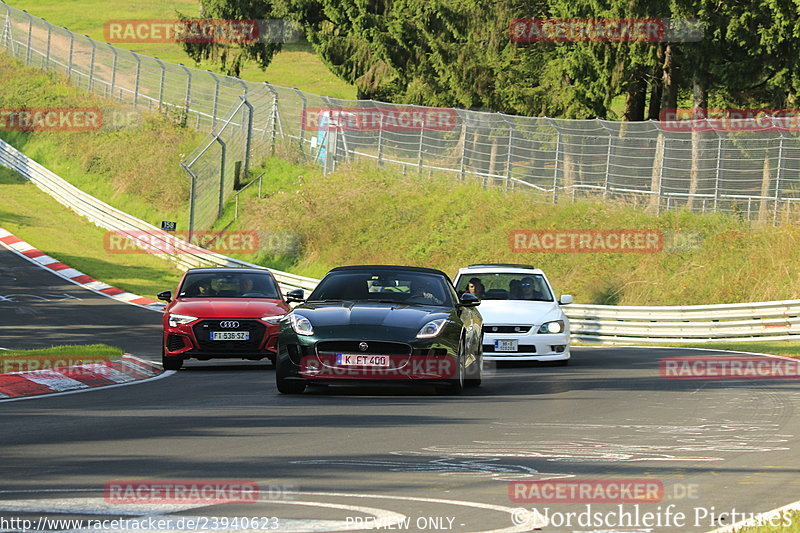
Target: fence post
(380, 141)
(71, 50)
(91, 65)
(421, 137)
(464, 135)
(606, 176)
(138, 78)
(161, 83)
(274, 117)
(221, 174)
(717, 172)
(193, 179)
(778, 181)
(508, 156)
(248, 135)
(8, 34)
(49, 40)
(555, 166)
(30, 32)
(113, 69)
(302, 118)
(188, 99)
(215, 109)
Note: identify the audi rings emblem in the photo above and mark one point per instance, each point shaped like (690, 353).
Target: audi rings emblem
(363, 346)
(230, 324)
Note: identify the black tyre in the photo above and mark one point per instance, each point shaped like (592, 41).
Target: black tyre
(456, 386)
(171, 363)
(290, 387)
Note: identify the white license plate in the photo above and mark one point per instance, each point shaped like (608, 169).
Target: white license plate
(361, 360)
(230, 335)
(505, 345)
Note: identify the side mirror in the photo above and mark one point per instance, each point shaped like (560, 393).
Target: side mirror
(165, 295)
(297, 295)
(469, 300)
(565, 299)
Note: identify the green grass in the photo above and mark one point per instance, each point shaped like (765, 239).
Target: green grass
(369, 215)
(792, 518)
(88, 350)
(296, 66)
(784, 348)
(133, 168)
(37, 218)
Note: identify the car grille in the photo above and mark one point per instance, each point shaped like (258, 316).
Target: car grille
(175, 342)
(522, 348)
(506, 329)
(203, 329)
(374, 348)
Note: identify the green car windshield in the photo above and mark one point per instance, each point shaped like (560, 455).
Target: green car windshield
(384, 286)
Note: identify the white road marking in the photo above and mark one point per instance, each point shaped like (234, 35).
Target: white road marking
(449, 466)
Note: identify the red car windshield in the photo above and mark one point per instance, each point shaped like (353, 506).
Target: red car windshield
(228, 285)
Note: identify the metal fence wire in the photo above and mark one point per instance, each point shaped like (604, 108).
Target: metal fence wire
(752, 172)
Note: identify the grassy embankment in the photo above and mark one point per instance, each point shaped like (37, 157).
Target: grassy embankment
(69, 350)
(297, 65)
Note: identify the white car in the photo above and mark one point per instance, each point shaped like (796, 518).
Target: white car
(522, 320)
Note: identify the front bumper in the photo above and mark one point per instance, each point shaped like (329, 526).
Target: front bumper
(530, 346)
(315, 360)
(192, 341)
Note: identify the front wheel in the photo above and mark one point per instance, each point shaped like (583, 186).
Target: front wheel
(456, 386)
(286, 386)
(171, 363)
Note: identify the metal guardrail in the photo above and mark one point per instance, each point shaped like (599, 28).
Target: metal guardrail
(146, 235)
(760, 321)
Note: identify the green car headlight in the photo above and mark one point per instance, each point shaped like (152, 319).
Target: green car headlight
(301, 325)
(432, 328)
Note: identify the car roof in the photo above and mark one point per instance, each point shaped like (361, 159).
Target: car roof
(499, 268)
(354, 268)
(228, 269)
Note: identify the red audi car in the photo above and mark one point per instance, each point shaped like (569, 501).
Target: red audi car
(222, 313)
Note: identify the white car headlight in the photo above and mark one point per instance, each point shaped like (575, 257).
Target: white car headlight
(301, 325)
(274, 320)
(180, 320)
(556, 326)
(432, 328)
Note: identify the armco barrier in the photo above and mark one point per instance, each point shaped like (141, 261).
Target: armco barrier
(761, 321)
(113, 219)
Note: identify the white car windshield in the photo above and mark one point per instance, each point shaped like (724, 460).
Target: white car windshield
(504, 286)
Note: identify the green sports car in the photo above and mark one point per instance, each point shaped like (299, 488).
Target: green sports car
(369, 324)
